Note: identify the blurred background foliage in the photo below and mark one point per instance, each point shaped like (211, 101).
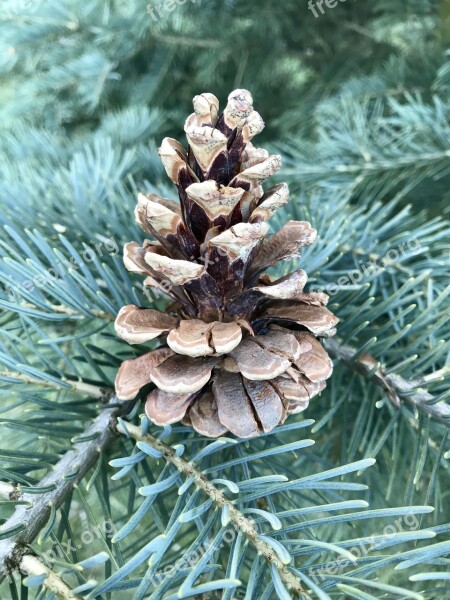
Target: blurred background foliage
(355, 96)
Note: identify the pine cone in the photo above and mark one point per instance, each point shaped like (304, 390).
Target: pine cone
(241, 351)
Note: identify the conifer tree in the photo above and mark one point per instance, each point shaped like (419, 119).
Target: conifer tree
(104, 497)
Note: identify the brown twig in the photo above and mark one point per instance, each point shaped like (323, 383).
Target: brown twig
(398, 389)
(239, 520)
(75, 463)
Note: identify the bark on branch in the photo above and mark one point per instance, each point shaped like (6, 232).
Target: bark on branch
(78, 460)
(398, 389)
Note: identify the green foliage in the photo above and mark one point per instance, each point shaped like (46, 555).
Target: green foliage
(357, 103)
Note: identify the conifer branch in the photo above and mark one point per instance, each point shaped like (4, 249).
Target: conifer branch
(28, 522)
(65, 310)
(186, 41)
(397, 388)
(239, 520)
(53, 582)
(94, 391)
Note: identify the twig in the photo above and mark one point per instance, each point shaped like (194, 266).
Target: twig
(239, 520)
(66, 474)
(185, 41)
(53, 582)
(398, 388)
(94, 391)
(65, 310)
(361, 30)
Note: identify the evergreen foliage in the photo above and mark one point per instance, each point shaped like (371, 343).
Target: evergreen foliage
(357, 101)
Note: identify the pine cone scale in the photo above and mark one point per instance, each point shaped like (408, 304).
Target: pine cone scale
(182, 374)
(164, 408)
(257, 363)
(268, 405)
(235, 410)
(204, 416)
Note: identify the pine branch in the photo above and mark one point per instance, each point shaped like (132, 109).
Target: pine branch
(53, 582)
(186, 41)
(239, 520)
(397, 387)
(65, 310)
(26, 523)
(81, 387)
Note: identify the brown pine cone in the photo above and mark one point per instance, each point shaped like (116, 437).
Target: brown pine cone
(242, 350)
